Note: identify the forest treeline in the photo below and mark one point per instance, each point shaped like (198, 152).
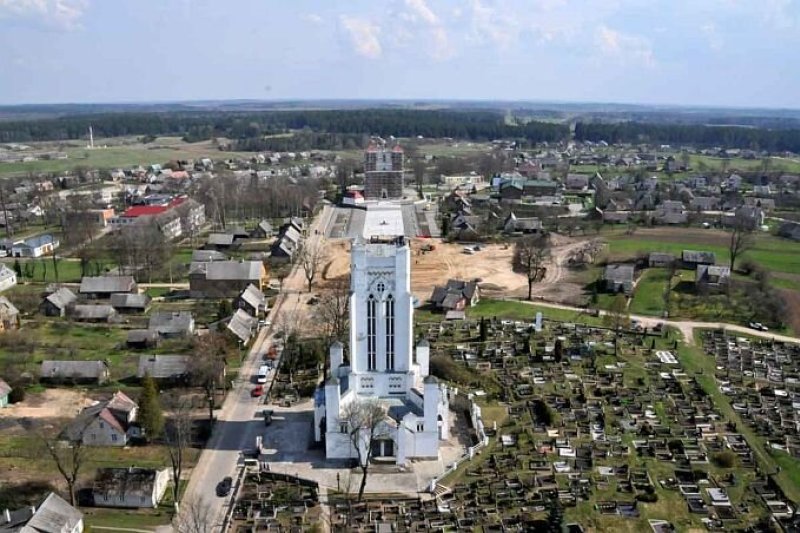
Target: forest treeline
(348, 129)
(247, 128)
(778, 140)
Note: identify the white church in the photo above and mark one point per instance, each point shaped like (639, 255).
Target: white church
(383, 365)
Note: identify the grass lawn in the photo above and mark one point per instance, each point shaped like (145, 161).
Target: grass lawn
(773, 253)
(42, 270)
(515, 310)
(648, 298)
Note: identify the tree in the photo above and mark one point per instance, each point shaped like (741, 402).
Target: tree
(741, 239)
(312, 256)
(530, 255)
(178, 438)
(69, 457)
(196, 516)
(364, 420)
(333, 310)
(150, 417)
(224, 309)
(207, 364)
(617, 316)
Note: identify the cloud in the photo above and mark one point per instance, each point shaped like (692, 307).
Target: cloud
(418, 8)
(715, 41)
(313, 18)
(363, 36)
(493, 25)
(623, 47)
(65, 14)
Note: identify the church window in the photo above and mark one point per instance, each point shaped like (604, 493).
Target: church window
(390, 333)
(372, 321)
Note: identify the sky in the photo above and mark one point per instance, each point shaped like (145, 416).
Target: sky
(738, 53)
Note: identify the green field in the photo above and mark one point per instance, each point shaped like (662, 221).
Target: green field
(773, 253)
(116, 155)
(648, 298)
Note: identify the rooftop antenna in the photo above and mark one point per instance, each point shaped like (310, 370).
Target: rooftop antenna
(91, 138)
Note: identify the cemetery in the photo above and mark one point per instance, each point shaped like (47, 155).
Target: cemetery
(606, 431)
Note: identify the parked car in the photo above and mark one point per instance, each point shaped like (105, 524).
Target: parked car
(759, 326)
(257, 391)
(224, 487)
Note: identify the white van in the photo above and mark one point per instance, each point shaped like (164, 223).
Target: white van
(263, 371)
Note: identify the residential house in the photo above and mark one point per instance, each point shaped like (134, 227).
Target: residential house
(464, 227)
(102, 287)
(540, 187)
(691, 259)
(282, 251)
(263, 230)
(747, 217)
(576, 182)
(704, 203)
(659, 259)
(5, 393)
(169, 368)
(142, 338)
(671, 212)
(616, 217)
(712, 276)
(9, 315)
(225, 279)
(106, 423)
(242, 325)
(456, 295)
(511, 190)
(618, 278)
(35, 246)
(56, 303)
(53, 515)
(252, 301)
(219, 241)
(765, 204)
(92, 372)
(790, 230)
(172, 324)
(8, 278)
(513, 224)
(129, 487)
(100, 313)
(130, 303)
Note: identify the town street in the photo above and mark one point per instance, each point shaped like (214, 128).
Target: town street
(238, 422)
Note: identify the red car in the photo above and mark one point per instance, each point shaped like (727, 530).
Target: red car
(257, 391)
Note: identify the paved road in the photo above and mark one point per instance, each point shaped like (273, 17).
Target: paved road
(686, 327)
(238, 421)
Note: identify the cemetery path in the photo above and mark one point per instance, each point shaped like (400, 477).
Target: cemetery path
(686, 327)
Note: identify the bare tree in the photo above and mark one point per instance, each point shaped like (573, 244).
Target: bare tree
(364, 419)
(196, 516)
(617, 317)
(530, 255)
(207, 364)
(332, 311)
(741, 240)
(68, 456)
(178, 438)
(312, 256)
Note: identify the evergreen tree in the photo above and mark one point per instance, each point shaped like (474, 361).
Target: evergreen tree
(150, 417)
(483, 329)
(17, 268)
(224, 309)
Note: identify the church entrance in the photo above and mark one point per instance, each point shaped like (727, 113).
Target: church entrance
(382, 448)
